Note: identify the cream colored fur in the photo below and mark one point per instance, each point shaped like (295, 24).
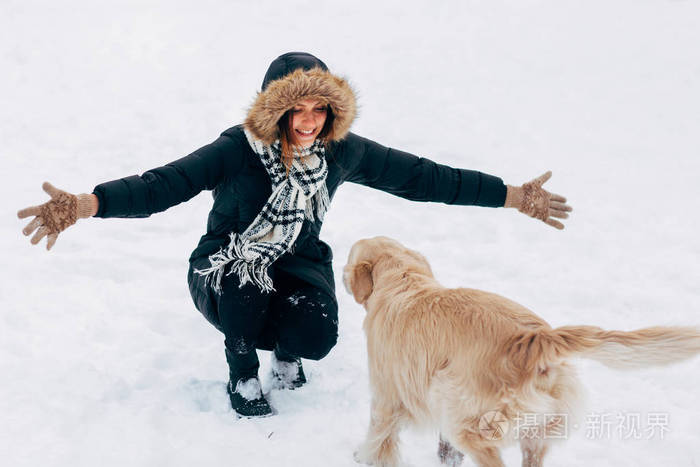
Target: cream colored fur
(443, 357)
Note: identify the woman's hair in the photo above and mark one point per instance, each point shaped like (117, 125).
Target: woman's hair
(288, 138)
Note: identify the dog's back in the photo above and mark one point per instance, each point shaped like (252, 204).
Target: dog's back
(447, 357)
(441, 351)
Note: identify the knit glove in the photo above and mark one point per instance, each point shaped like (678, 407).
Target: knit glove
(55, 216)
(535, 201)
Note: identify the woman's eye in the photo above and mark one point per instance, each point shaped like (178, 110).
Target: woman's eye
(296, 111)
(320, 109)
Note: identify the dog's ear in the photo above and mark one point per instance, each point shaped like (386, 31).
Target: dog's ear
(361, 281)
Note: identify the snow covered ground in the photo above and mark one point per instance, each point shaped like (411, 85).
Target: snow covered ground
(105, 361)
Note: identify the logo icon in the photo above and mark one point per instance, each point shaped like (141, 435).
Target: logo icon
(493, 425)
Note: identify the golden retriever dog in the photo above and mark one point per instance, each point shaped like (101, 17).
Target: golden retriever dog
(476, 365)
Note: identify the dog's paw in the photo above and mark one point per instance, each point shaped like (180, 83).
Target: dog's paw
(362, 456)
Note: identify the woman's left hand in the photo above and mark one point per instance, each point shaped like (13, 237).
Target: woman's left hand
(535, 201)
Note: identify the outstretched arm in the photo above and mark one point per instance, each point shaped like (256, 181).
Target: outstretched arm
(138, 196)
(164, 187)
(420, 179)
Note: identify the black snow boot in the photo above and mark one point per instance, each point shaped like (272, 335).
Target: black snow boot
(287, 372)
(243, 388)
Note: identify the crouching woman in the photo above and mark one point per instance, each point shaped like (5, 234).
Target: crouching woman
(260, 274)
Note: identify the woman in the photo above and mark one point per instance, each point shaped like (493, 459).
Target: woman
(260, 274)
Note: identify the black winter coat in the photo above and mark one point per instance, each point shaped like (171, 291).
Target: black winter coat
(241, 186)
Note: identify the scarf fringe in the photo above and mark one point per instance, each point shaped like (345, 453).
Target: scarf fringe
(322, 201)
(246, 270)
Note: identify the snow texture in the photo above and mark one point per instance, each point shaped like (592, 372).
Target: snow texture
(295, 298)
(285, 372)
(249, 389)
(104, 359)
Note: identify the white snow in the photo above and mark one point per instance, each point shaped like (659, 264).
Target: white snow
(249, 389)
(287, 372)
(295, 298)
(104, 359)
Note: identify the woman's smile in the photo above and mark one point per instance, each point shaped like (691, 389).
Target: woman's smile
(308, 118)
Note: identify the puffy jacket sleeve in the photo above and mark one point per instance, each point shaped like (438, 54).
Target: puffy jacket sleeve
(417, 178)
(163, 187)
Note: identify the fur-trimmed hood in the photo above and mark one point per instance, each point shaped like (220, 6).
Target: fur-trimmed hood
(293, 77)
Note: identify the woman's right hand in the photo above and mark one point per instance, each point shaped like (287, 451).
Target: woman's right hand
(56, 215)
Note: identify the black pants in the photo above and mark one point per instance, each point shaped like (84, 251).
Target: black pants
(298, 319)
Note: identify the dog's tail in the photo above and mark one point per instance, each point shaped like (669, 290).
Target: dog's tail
(617, 349)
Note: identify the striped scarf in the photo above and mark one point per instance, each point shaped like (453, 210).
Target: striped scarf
(294, 198)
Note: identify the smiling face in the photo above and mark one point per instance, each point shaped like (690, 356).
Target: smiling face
(308, 118)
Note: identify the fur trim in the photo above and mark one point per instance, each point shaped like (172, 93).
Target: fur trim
(282, 94)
